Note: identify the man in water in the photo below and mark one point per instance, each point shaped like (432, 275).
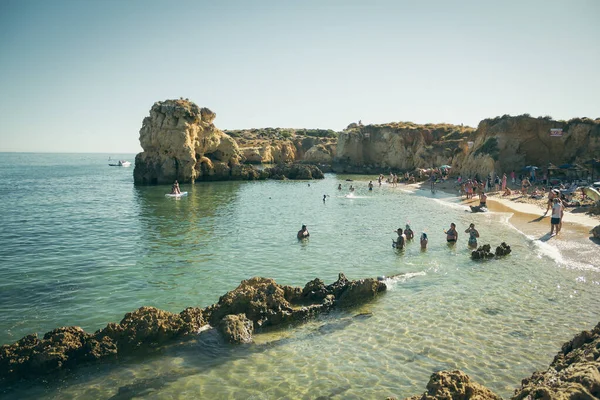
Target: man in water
(303, 233)
(401, 240)
(370, 185)
(452, 234)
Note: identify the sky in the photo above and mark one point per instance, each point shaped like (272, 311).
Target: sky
(81, 75)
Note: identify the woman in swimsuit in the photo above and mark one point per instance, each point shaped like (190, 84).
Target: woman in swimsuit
(482, 200)
(451, 234)
(473, 235)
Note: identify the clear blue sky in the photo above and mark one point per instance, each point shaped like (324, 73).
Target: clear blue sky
(80, 76)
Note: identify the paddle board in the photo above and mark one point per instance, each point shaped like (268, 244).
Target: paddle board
(182, 194)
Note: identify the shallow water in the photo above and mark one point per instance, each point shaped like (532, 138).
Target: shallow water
(82, 246)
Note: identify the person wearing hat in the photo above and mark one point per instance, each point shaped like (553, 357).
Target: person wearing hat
(303, 233)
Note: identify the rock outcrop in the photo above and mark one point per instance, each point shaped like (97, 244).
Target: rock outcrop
(596, 232)
(181, 142)
(255, 304)
(454, 385)
(485, 252)
(295, 171)
(497, 145)
(400, 146)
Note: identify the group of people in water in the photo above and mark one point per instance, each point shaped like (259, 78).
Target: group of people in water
(407, 235)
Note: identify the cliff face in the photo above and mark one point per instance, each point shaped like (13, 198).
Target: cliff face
(181, 142)
(403, 146)
(283, 145)
(500, 145)
(506, 143)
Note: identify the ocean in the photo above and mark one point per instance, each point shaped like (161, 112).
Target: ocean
(81, 245)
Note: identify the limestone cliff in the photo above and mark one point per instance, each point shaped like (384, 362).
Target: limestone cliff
(181, 142)
(283, 145)
(403, 146)
(505, 143)
(500, 144)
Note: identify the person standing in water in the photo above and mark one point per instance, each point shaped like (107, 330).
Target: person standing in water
(473, 235)
(409, 233)
(303, 233)
(557, 214)
(370, 185)
(340, 186)
(401, 240)
(451, 234)
(424, 241)
(351, 188)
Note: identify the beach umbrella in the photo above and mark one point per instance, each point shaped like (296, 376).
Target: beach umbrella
(552, 166)
(445, 166)
(530, 167)
(565, 166)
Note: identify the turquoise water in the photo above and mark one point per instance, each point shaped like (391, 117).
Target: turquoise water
(80, 245)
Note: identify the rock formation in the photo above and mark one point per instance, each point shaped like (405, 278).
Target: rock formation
(485, 252)
(596, 232)
(573, 374)
(295, 171)
(403, 146)
(454, 385)
(503, 250)
(181, 142)
(256, 303)
(497, 145)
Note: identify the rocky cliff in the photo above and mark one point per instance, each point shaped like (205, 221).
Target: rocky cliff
(181, 142)
(401, 146)
(500, 144)
(281, 145)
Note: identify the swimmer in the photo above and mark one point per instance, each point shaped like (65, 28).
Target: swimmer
(370, 185)
(340, 186)
(473, 235)
(324, 198)
(351, 188)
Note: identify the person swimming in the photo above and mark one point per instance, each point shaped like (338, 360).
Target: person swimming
(340, 186)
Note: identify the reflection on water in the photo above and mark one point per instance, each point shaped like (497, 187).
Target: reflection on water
(497, 320)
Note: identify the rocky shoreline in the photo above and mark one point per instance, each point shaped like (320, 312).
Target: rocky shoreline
(256, 304)
(573, 374)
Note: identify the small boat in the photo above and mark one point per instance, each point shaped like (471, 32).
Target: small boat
(120, 163)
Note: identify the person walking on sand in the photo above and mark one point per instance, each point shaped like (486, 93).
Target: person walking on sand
(551, 196)
(503, 182)
(473, 235)
(525, 186)
(557, 214)
(512, 176)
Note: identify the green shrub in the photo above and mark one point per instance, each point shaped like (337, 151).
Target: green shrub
(490, 147)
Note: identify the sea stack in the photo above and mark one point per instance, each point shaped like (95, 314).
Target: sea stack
(181, 142)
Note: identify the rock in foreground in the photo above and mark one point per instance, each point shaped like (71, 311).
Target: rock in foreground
(256, 303)
(454, 385)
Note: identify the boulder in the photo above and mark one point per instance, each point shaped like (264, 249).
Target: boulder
(482, 253)
(360, 291)
(573, 374)
(596, 232)
(454, 385)
(503, 250)
(236, 328)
